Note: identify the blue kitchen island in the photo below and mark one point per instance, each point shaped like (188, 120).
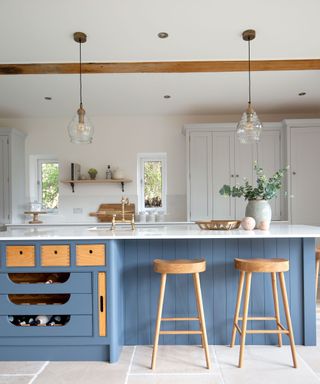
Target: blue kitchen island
(103, 283)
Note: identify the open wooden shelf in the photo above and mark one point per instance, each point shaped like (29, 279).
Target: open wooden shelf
(97, 181)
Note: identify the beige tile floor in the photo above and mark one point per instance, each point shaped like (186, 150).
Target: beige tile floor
(176, 365)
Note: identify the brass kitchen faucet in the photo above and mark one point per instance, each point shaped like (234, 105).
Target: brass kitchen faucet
(124, 201)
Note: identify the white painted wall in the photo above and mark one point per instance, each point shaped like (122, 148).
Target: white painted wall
(117, 140)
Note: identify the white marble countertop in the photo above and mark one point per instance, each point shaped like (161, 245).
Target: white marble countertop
(160, 231)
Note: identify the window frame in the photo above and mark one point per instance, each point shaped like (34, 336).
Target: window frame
(41, 161)
(35, 193)
(141, 159)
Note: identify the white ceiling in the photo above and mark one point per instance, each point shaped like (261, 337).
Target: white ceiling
(39, 31)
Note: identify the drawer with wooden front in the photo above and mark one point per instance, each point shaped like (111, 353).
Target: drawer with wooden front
(20, 256)
(55, 255)
(90, 255)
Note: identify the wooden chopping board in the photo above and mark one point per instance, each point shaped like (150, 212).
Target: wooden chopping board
(106, 211)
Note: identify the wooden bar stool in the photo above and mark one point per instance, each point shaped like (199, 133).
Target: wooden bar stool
(246, 268)
(173, 267)
(317, 269)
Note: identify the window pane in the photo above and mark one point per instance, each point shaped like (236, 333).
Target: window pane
(152, 184)
(50, 185)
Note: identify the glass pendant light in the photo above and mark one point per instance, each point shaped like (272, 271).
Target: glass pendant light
(80, 129)
(249, 127)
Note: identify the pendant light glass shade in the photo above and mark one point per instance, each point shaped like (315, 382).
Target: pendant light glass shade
(80, 128)
(249, 127)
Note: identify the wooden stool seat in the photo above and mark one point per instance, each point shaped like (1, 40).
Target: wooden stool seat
(246, 268)
(180, 266)
(262, 265)
(318, 254)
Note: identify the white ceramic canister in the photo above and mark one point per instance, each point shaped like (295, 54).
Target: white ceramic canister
(117, 174)
(151, 217)
(142, 217)
(160, 216)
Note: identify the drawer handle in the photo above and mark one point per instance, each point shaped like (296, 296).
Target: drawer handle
(101, 304)
(55, 252)
(90, 251)
(21, 252)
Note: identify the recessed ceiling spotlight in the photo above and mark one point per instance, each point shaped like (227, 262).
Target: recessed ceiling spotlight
(302, 93)
(167, 97)
(163, 35)
(48, 98)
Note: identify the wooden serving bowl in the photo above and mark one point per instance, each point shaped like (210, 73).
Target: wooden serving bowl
(219, 225)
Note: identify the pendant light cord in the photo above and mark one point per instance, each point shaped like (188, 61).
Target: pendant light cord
(249, 72)
(80, 71)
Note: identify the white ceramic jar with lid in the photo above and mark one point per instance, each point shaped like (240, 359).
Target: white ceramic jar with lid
(117, 174)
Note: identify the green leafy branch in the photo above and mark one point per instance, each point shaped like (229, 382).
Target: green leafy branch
(265, 189)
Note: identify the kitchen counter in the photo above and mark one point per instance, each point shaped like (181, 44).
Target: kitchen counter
(125, 258)
(152, 231)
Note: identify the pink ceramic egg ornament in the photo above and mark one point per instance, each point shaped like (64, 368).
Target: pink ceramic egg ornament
(248, 223)
(264, 225)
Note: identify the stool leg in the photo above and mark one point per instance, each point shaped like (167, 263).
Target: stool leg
(158, 322)
(276, 304)
(288, 317)
(237, 310)
(317, 275)
(198, 309)
(202, 319)
(245, 317)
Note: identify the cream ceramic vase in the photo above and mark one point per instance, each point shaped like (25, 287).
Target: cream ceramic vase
(117, 174)
(260, 210)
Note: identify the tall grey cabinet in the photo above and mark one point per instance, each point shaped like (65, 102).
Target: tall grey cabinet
(12, 176)
(303, 143)
(215, 157)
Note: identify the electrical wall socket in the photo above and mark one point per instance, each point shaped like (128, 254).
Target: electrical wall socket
(77, 211)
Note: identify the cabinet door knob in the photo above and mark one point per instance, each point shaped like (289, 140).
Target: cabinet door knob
(231, 175)
(294, 173)
(237, 175)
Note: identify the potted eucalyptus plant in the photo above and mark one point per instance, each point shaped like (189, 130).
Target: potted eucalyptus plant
(258, 195)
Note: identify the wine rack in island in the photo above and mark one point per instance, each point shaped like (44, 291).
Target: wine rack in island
(54, 301)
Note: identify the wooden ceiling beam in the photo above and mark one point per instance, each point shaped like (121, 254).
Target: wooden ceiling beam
(160, 67)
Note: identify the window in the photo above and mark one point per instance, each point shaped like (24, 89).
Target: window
(48, 183)
(152, 181)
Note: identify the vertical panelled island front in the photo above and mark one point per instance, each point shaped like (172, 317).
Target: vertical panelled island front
(96, 289)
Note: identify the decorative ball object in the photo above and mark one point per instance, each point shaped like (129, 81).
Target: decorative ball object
(264, 225)
(42, 319)
(248, 223)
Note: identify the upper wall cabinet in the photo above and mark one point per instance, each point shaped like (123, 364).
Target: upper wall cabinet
(303, 138)
(215, 157)
(12, 176)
